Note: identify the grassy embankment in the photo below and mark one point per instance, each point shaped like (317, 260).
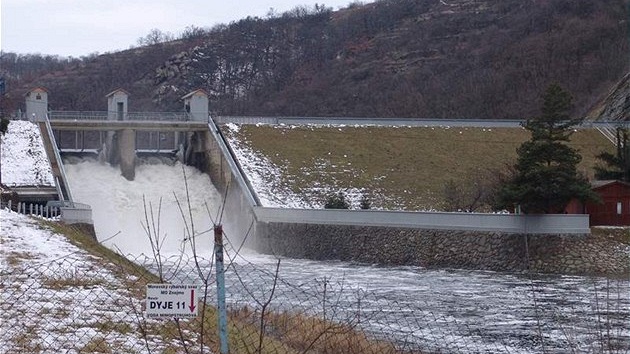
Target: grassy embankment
(398, 168)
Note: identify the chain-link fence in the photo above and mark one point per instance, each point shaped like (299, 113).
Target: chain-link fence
(86, 304)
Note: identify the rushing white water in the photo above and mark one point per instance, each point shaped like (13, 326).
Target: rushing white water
(118, 205)
(454, 311)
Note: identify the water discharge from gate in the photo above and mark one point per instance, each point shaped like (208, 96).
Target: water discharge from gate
(118, 205)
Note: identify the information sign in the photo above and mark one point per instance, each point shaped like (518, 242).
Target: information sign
(172, 300)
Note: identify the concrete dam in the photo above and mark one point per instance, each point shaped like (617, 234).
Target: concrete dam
(463, 240)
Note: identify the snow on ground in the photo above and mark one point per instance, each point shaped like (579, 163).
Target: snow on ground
(56, 297)
(24, 161)
(265, 178)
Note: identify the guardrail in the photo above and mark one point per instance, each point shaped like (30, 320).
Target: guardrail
(78, 115)
(411, 122)
(113, 115)
(59, 162)
(509, 223)
(45, 211)
(235, 167)
(68, 212)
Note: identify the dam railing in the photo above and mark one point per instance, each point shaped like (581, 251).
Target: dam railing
(236, 169)
(113, 115)
(507, 223)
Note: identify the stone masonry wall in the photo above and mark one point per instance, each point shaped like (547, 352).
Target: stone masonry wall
(567, 254)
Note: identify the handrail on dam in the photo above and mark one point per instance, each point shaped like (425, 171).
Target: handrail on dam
(62, 171)
(400, 122)
(235, 166)
(505, 223)
(127, 116)
(395, 122)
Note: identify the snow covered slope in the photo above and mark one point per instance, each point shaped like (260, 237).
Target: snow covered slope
(24, 161)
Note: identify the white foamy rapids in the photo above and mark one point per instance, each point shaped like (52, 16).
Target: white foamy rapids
(118, 209)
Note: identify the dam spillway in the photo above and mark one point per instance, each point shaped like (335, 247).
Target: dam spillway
(119, 205)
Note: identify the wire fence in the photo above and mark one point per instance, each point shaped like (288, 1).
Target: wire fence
(79, 304)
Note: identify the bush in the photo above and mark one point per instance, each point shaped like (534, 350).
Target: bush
(365, 203)
(336, 201)
(4, 125)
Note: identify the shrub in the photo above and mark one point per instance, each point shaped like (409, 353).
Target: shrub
(365, 203)
(337, 201)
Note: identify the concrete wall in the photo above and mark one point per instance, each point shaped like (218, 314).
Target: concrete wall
(36, 104)
(216, 165)
(81, 215)
(507, 223)
(557, 253)
(113, 99)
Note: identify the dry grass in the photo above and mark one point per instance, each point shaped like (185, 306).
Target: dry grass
(117, 264)
(409, 165)
(286, 332)
(15, 258)
(55, 283)
(303, 333)
(97, 345)
(26, 341)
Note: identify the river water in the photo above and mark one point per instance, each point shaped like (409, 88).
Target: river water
(443, 310)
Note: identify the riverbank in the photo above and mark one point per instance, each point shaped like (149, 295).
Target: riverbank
(606, 251)
(62, 291)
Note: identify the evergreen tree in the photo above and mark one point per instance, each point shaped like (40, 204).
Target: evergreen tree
(337, 201)
(546, 176)
(617, 165)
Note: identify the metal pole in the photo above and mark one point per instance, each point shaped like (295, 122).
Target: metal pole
(218, 255)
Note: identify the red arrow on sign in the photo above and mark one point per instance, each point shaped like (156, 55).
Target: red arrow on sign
(192, 300)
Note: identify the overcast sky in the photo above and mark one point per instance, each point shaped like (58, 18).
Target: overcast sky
(81, 27)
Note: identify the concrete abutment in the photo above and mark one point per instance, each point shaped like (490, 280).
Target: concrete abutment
(479, 250)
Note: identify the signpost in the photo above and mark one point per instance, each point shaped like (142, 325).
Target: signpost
(172, 300)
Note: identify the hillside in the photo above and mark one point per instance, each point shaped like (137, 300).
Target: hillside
(404, 168)
(403, 58)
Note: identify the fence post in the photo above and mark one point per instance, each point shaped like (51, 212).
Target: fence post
(218, 254)
(10, 205)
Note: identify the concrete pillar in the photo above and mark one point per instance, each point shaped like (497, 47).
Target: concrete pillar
(36, 104)
(127, 150)
(196, 105)
(117, 102)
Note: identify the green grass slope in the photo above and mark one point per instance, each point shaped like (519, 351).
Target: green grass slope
(397, 168)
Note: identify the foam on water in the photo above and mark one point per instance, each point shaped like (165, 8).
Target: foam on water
(118, 205)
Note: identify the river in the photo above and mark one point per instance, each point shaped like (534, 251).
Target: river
(438, 310)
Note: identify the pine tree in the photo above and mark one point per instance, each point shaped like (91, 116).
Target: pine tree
(546, 176)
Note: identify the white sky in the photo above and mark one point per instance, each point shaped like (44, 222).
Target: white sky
(81, 27)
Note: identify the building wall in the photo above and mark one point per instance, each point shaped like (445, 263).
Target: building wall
(37, 104)
(615, 210)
